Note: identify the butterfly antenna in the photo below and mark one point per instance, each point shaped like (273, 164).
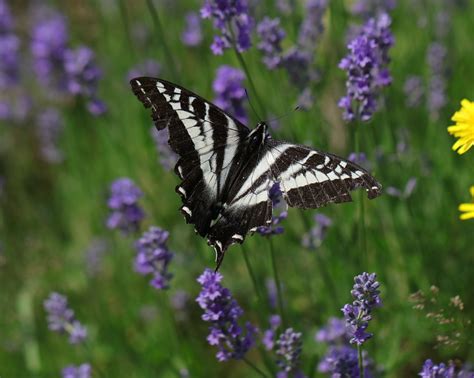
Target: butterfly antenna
(220, 258)
(284, 115)
(251, 106)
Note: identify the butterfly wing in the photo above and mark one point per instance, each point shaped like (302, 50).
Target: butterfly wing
(311, 179)
(207, 140)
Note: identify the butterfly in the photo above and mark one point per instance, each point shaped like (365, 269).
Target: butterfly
(227, 170)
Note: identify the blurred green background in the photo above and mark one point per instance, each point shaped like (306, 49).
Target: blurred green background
(52, 212)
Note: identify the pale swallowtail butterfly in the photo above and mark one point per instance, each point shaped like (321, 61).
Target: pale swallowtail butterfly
(227, 169)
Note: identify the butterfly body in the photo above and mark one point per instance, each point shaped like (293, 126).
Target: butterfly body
(227, 170)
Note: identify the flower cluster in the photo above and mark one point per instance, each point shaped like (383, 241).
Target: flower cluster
(230, 93)
(467, 209)
(288, 351)
(312, 26)
(94, 256)
(371, 8)
(148, 67)
(192, 34)
(333, 332)
(167, 156)
(268, 338)
(81, 371)
(222, 311)
(123, 202)
(61, 318)
(358, 314)
(342, 361)
(49, 127)
(366, 66)
(464, 127)
(275, 195)
(153, 257)
(9, 49)
(430, 370)
(406, 192)
(436, 96)
(231, 18)
(56, 65)
(314, 238)
(271, 35)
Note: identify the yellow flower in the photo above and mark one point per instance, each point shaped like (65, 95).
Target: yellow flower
(464, 128)
(467, 208)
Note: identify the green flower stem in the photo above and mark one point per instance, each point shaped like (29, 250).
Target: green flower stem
(277, 283)
(254, 367)
(362, 232)
(361, 361)
(159, 31)
(252, 274)
(126, 24)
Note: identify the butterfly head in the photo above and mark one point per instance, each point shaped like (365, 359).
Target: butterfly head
(260, 134)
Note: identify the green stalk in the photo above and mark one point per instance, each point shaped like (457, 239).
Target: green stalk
(126, 24)
(162, 40)
(252, 274)
(277, 283)
(254, 367)
(361, 361)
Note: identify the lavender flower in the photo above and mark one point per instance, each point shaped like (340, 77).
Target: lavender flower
(312, 27)
(229, 91)
(81, 371)
(48, 47)
(366, 65)
(149, 67)
(288, 351)
(334, 332)
(297, 63)
(268, 339)
(167, 156)
(314, 238)
(271, 292)
(222, 311)
(413, 89)
(430, 370)
(407, 192)
(9, 49)
(436, 96)
(61, 318)
(83, 77)
(342, 361)
(94, 256)
(123, 202)
(358, 314)
(371, 8)
(275, 195)
(153, 257)
(192, 34)
(231, 18)
(50, 125)
(271, 34)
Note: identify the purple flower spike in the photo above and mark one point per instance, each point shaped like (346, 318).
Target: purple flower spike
(342, 361)
(274, 228)
(268, 339)
(9, 49)
(153, 257)
(149, 67)
(334, 332)
(314, 238)
(222, 312)
(61, 318)
(366, 66)
(192, 34)
(231, 18)
(430, 370)
(358, 314)
(288, 351)
(48, 47)
(312, 27)
(81, 371)
(230, 91)
(271, 34)
(50, 125)
(371, 8)
(123, 201)
(167, 156)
